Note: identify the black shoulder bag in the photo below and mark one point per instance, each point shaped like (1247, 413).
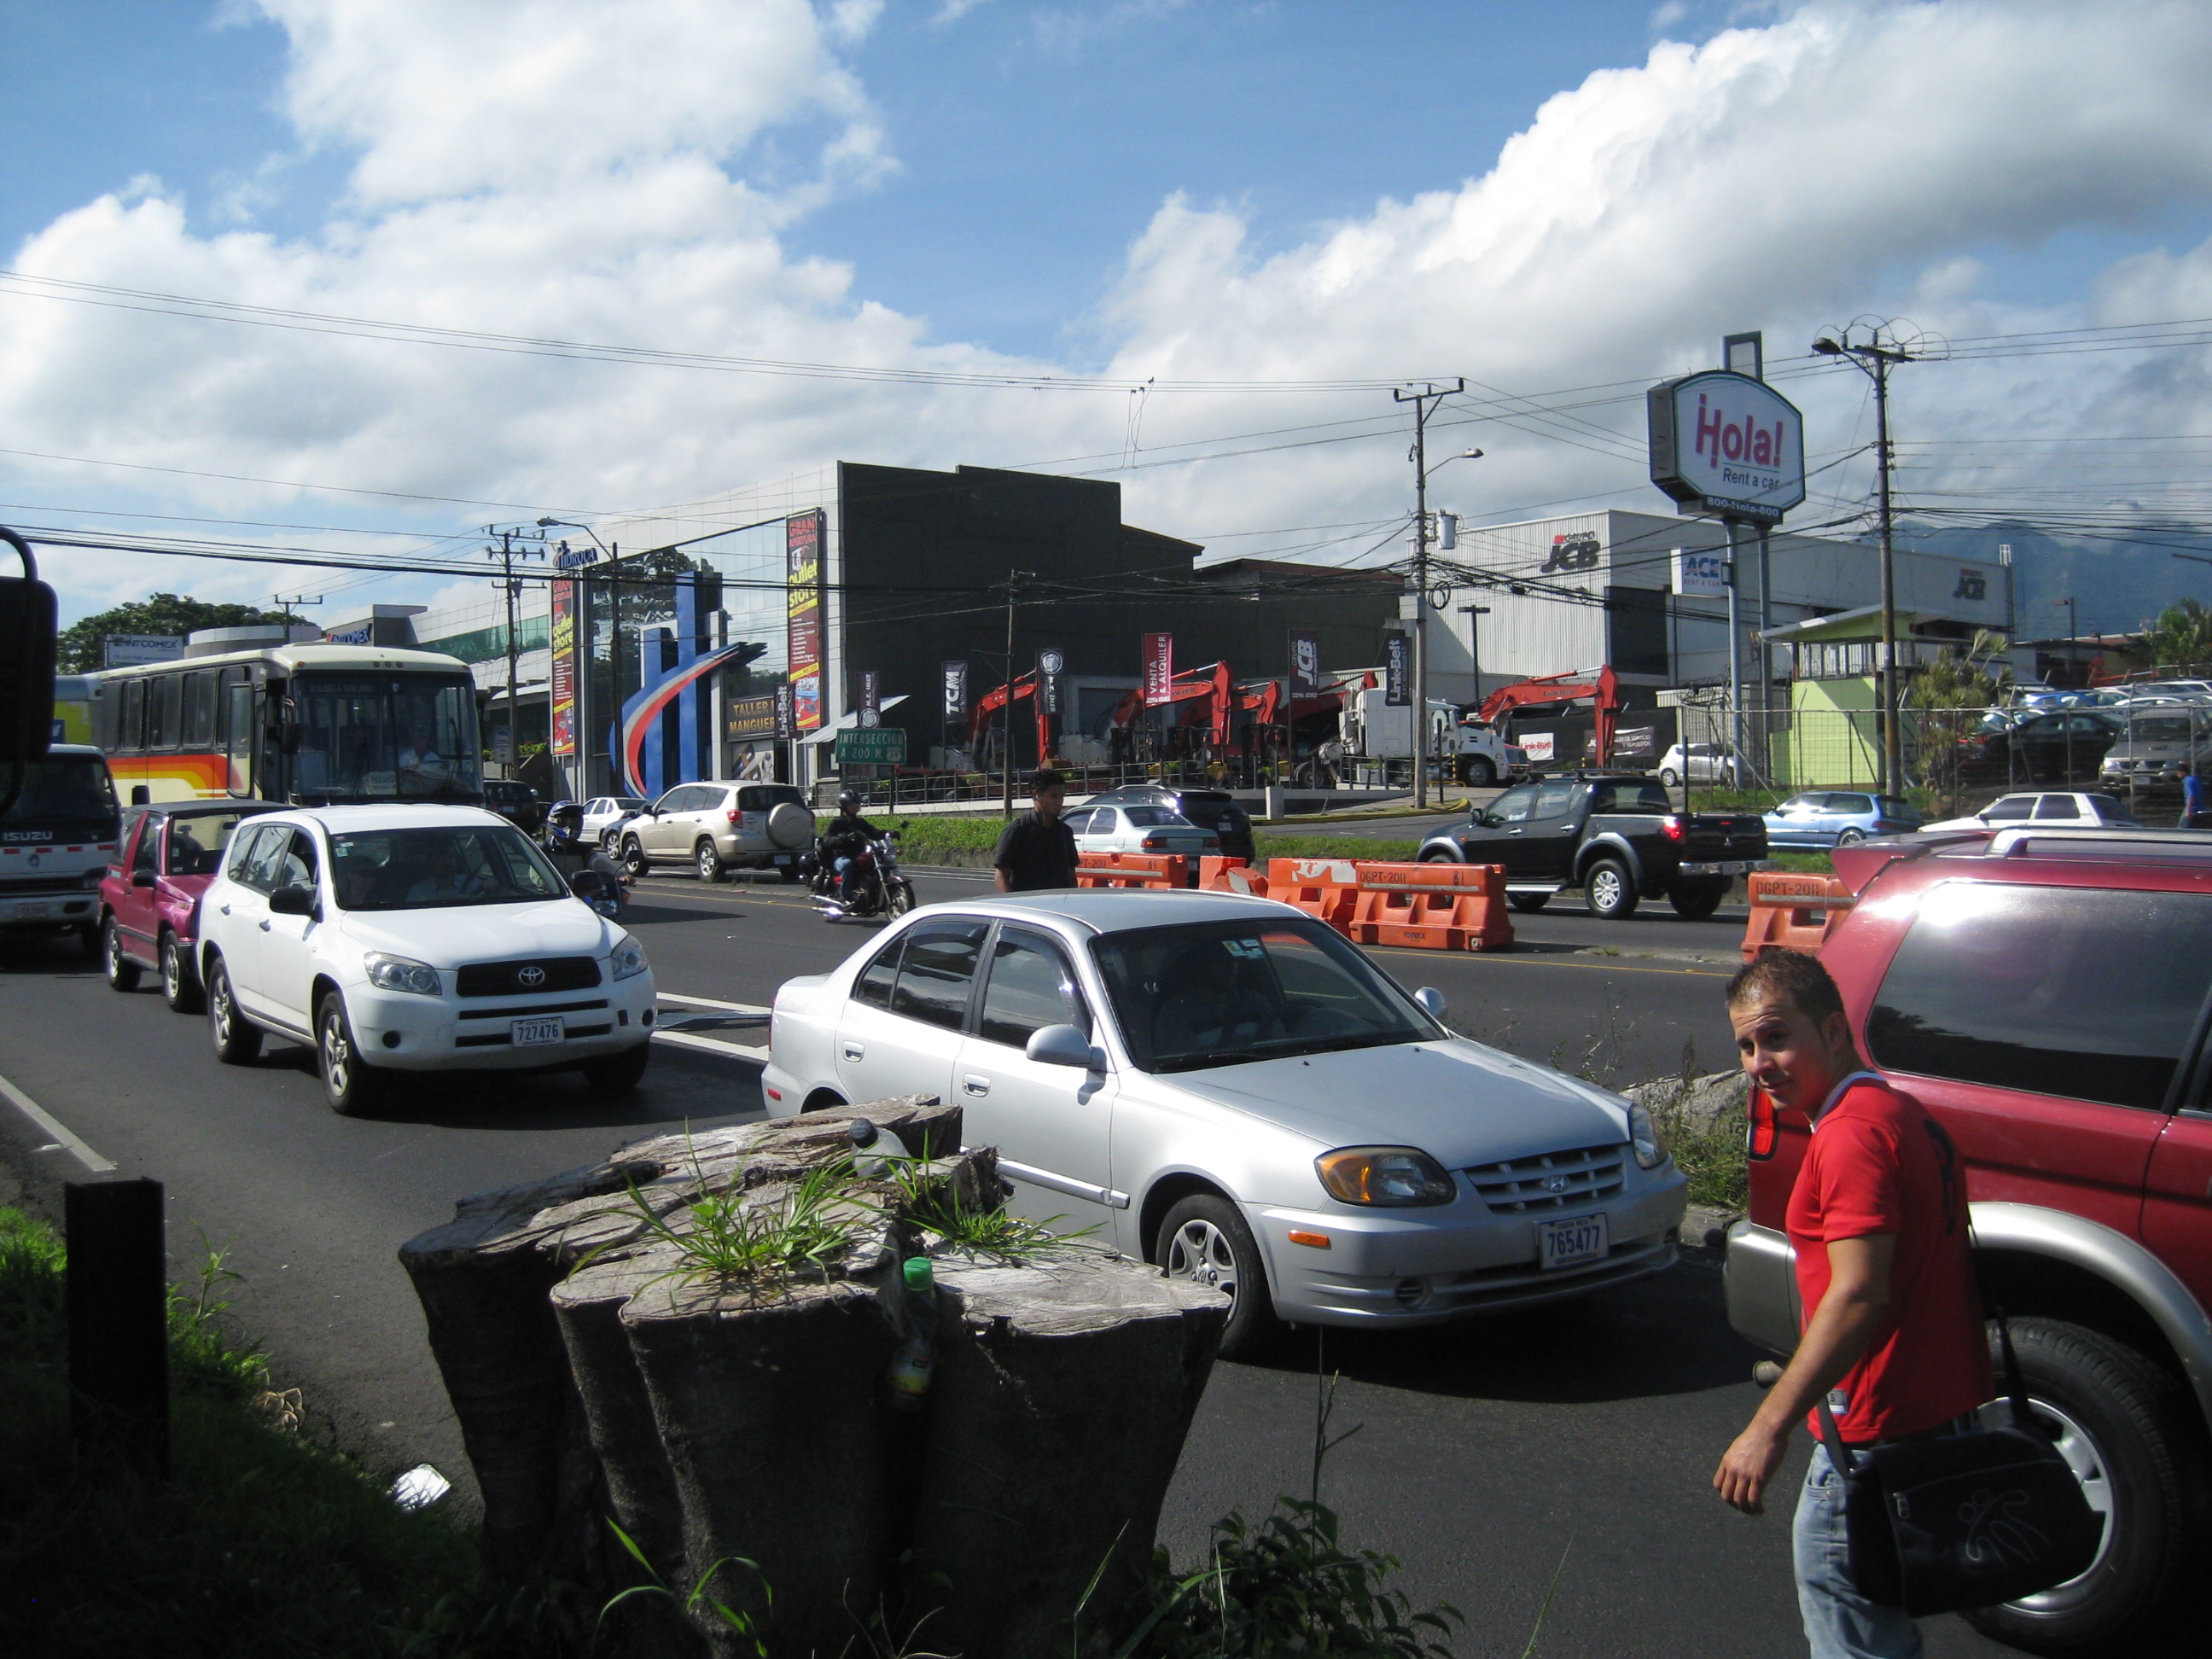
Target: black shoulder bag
(1965, 1520)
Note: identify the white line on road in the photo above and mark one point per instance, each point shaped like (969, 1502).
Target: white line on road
(715, 1002)
(709, 1046)
(46, 1121)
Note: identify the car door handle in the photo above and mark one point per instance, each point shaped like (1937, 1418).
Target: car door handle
(854, 1051)
(975, 1085)
(1513, 832)
(1566, 829)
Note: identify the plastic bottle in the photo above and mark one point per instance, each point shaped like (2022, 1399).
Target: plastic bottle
(873, 1149)
(916, 1362)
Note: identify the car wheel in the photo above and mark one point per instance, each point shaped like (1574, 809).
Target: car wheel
(1529, 903)
(122, 972)
(2122, 1423)
(236, 1043)
(177, 987)
(350, 1084)
(1610, 890)
(1437, 856)
(1850, 837)
(610, 843)
(709, 861)
(1670, 778)
(618, 1071)
(1480, 772)
(1203, 1239)
(634, 859)
(1693, 901)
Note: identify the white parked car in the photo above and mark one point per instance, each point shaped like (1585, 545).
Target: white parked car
(1138, 828)
(604, 815)
(1699, 763)
(415, 939)
(1229, 1088)
(2045, 809)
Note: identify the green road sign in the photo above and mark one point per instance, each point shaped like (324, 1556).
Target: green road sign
(877, 745)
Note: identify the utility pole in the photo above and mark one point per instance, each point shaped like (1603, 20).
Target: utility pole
(286, 605)
(1875, 359)
(2073, 632)
(507, 553)
(1006, 711)
(1422, 401)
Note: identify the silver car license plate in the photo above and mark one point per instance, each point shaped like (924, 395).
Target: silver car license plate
(33, 910)
(1570, 1243)
(536, 1033)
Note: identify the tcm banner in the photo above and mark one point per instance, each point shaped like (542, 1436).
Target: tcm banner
(802, 551)
(1159, 669)
(563, 641)
(956, 690)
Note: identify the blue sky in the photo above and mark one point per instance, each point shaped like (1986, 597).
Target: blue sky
(1542, 197)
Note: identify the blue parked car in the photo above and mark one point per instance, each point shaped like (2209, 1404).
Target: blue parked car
(1836, 817)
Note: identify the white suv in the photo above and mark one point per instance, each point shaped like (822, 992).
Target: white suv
(415, 939)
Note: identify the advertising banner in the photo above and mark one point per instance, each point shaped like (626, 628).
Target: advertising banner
(135, 650)
(1726, 444)
(1398, 671)
(1159, 669)
(563, 638)
(871, 691)
(749, 719)
(802, 550)
(956, 691)
(786, 712)
(1305, 663)
(1050, 665)
(1701, 572)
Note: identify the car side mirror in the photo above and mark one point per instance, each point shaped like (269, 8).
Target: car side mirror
(142, 878)
(293, 901)
(1431, 1001)
(142, 794)
(587, 885)
(1063, 1045)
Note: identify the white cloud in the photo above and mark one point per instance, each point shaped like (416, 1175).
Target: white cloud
(568, 170)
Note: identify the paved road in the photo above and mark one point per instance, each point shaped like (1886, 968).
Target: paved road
(1485, 1451)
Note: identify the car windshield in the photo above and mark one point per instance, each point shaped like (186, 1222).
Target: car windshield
(384, 737)
(1228, 993)
(2166, 729)
(61, 792)
(438, 867)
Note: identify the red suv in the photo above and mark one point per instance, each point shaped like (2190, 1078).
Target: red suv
(149, 899)
(2046, 994)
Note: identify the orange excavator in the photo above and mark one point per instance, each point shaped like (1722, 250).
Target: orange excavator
(979, 718)
(1211, 683)
(1601, 689)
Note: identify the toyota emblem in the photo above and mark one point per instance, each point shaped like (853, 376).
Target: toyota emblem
(532, 976)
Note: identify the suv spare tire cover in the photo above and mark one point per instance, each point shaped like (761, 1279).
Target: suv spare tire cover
(790, 824)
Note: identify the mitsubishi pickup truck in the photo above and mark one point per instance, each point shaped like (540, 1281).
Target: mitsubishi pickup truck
(1614, 835)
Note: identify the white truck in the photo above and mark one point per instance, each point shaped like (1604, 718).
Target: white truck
(1468, 750)
(55, 844)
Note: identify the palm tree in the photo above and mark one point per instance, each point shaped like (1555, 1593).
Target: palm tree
(2180, 641)
(1950, 693)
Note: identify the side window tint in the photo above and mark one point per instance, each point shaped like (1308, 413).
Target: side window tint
(142, 858)
(299, 869)
(242, 848)
(1030, 986)
(264, 870)
(2012, 809)
(1079, 821)
(873, 987)
(2085, 992)
(1851, 803)
(1554, 800)
(937, 972)
(2061, 808)
(1512, 806)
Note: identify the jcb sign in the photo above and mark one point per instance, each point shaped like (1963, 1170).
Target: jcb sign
(1577, 552)
(1726, 444)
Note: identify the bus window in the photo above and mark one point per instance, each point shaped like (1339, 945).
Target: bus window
(199, 710)
(106, 716)
(379, 737)
(131, 737)
(240, 725)
(165, 698)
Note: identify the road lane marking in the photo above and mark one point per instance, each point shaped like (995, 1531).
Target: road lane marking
(709, 1046)
(715, 1002)
(52, 1125)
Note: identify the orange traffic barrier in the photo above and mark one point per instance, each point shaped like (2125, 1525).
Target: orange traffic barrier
(1792, 912)
(1325, 888)
(1432, 907)
(1132, 870)
(1227, 875)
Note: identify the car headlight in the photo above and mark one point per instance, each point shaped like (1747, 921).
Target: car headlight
(401, 973)
(1643, 1135)
(628, 958)
(1387, 1177)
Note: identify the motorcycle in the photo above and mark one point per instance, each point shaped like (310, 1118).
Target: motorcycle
(873, 886)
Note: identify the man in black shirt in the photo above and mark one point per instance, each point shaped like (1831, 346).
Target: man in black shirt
(1037, 850)
(849, 832)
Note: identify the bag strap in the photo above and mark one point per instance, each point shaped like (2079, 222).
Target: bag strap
(1832, 1438)
(2015, 1385)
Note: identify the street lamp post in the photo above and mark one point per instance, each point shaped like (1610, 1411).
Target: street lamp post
(1424, 401)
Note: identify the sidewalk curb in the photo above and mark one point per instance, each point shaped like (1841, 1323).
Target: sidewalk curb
(1704, 1229)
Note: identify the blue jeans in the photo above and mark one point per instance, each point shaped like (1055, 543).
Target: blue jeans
(842, 869)
(1839, 1623)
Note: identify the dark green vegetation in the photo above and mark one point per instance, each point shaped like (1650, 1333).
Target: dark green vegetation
(78, 650)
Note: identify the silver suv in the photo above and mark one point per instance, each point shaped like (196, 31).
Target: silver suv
(718, 827)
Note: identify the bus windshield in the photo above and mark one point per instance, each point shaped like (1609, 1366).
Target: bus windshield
(386, 737)
(66, 798)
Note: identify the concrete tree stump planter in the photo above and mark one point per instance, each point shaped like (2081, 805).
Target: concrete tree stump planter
(607, 1361)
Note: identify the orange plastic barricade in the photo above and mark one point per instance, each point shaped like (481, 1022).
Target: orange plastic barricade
(1792, 912)
(1226, 875)
(1132, 870)
(1432, 907)
(1326, 889)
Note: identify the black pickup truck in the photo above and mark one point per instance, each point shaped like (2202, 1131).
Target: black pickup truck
(1616, 836)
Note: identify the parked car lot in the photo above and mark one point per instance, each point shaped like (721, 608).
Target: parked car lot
(1836, 817)
(1231, 1090)
(149, 897)
(2061, 746)
(1140, 828)
(2059, 808)
(413, 939)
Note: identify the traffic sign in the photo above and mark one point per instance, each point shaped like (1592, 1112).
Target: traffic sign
(877, 745)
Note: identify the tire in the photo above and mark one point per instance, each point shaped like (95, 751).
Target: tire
(1850, 837)
(616, 1072)
(1693, 901)
(634, 859)
(1609, 890)
(1529, 904)
(790, 826)
(1203, 1238)
(1670, 778)
(350, 1084)
(900, 899)
(707, 861)
(1438, 857)
(1480, 771)
(2127, 1420)
(237, 1041)
(122, 973)
(178, 989)
(609, 842)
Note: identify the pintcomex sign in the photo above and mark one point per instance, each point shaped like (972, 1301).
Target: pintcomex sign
(1729, 446)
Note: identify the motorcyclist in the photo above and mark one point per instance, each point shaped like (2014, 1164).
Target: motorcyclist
(849, 832)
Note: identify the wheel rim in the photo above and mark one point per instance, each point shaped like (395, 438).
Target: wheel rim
(1200, 1252)
(1605, 888)
(2086, 1459)
(337, 1053)
(708, 864)
(112, 948)
(172, 971)
(219, 1008)
(1850, 838)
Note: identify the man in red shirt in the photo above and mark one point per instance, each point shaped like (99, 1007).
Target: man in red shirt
(1893, 1339)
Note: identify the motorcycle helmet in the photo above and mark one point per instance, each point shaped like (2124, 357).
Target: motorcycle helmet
(848, 801)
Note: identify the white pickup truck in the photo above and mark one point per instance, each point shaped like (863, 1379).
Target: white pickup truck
(1470, 751)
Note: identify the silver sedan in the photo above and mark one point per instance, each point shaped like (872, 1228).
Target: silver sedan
(1226, 1087)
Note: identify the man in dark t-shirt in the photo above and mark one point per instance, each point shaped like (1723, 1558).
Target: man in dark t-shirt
(1037, 850)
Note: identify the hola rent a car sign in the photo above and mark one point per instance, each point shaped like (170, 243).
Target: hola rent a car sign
(1726, 444)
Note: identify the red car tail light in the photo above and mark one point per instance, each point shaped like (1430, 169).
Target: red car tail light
(1759, 1143)
(1672, 826)
(1152, 840)
(733, 816)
